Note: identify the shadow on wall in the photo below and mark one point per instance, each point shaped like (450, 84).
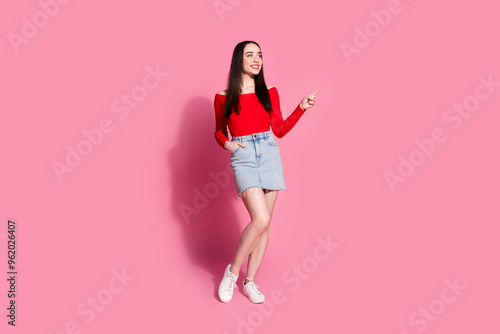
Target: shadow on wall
(204, 197)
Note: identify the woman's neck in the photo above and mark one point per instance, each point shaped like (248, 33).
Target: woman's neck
(247, 84)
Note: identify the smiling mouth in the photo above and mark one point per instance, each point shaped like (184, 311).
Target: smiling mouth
(255, 67)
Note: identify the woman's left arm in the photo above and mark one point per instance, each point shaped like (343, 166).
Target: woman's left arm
(280, 126)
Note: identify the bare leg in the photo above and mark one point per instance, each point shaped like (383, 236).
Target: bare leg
(257, 254)
(258, 208)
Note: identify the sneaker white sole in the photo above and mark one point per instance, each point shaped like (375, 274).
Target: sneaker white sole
(225, 300)
(260, 301)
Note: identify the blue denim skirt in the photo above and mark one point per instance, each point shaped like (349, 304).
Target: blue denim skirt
(258, 164)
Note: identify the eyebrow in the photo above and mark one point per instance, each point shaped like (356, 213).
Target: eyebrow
(252, 52)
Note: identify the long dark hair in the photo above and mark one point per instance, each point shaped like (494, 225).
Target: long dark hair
(234, 82)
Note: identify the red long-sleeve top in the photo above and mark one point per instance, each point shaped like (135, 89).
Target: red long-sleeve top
(253, 117)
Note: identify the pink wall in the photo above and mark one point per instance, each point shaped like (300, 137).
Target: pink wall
(390, 220)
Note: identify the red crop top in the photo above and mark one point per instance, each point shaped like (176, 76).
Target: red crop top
(253, 117)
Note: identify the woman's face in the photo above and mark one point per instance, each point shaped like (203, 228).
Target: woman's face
(252, 59)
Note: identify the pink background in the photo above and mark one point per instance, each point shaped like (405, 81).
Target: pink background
(119, 209)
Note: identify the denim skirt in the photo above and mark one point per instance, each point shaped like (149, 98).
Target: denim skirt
(258, 164)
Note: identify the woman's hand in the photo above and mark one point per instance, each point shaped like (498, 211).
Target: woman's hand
(231, 146)
(308, 101)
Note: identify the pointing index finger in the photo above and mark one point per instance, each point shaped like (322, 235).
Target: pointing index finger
(316, 92)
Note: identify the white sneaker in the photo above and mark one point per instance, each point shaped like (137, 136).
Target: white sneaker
(227, 285)
(250, 290)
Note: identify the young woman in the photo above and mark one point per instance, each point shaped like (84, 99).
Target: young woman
(250, 108)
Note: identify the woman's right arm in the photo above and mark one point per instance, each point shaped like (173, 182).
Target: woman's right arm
(221, 127)
(221, 135)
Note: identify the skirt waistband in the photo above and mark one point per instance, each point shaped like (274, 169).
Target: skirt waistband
(253, 136)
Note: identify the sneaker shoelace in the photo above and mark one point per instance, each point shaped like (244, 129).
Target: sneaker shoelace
(231, 283)
(254, 286)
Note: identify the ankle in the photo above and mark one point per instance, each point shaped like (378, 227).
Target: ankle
(231, 270)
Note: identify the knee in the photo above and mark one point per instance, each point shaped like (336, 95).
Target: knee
(262, 223)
